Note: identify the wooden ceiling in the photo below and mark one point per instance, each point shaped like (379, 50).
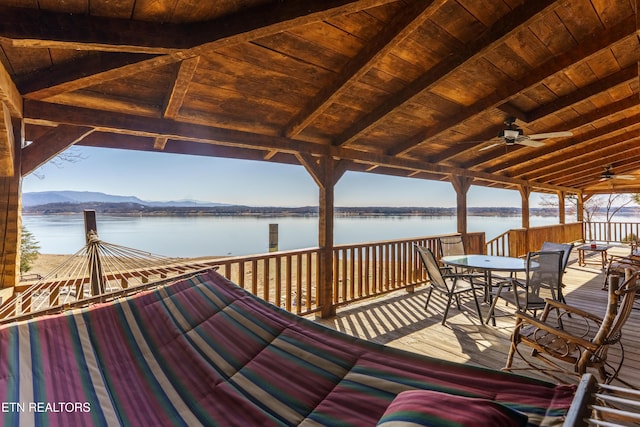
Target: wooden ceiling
(408, 88)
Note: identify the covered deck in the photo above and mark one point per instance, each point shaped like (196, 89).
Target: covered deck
(398, 319)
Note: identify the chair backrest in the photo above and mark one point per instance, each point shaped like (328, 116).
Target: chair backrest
(543, 275)
(451, 245)
(564, 247)
(431, 266)
(619, 304)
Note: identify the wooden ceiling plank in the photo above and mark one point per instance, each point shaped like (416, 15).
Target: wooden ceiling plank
(233, 29)
(631, 164)
(35, 28)
(91, 70)
(598, 42)
(527, 160)
(565, 170)
(50, 145)
(180, 87)
(617, 148)
(489, 40)
(393, 33)
(43, 29)
(621, 77)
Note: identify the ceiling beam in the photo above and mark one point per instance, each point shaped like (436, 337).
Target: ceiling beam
(242, 27)
(565, 171)
(36, 28)
(631, 165)
(537, 168)
(92, 69)
(624, 76)
(49, 145)
(33, 28)
(403, 24)
(7, 142)
(582, 120)
(485, 42)
(9, 93)
(210, 138)
(594, 44)
(522, 161)
(38, 112)
(180, 86)
(10, 105)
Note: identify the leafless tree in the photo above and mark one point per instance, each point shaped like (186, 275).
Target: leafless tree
(609, 204)
(72, 155)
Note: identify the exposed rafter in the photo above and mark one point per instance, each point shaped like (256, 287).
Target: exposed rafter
(491, 38)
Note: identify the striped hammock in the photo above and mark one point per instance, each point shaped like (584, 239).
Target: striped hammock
(202, 351)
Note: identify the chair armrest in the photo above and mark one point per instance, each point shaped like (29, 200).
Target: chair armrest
(552, 304)
(523, 320)
(624, 260)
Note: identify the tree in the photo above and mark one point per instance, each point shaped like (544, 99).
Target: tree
(71, 155)
(609, 204)
(29, 250)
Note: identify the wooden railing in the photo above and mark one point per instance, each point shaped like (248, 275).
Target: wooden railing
(289, 279)
(517, 242)
(611, 232)
(286, 279)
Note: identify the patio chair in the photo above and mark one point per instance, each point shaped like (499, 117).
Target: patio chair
(454, 245)
(566, 249)
(451, 245)
(543, 278)
(620, 266)
(451, 285)
(582, 344)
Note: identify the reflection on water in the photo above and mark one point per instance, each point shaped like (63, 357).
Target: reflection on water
(206, 235)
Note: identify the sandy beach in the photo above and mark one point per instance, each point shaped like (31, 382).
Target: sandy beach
(46, 263)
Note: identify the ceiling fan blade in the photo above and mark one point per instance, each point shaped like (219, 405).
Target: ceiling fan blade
(627, 177)
(550, 135)
(490, 146)
(529, 143)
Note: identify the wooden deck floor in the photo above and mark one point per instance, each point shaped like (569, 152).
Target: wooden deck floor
(399, 320)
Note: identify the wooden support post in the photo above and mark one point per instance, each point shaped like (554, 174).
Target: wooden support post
(95, 264)
(461, 185)
(525, 192)
(273, 237)
(582, 199)
(10, 211)
(325, 172)
(561, 207)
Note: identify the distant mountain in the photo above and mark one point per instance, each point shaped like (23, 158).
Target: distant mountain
(40, 198)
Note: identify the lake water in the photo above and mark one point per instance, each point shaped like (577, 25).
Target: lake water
(204, 236)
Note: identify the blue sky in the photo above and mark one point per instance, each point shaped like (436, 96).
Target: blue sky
(161, 176)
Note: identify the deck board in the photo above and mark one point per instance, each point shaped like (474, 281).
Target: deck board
(399, 320)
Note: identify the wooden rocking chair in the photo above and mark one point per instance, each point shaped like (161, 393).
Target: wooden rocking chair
(582, 343)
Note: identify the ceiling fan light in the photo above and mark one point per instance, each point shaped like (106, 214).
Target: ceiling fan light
(511, 133)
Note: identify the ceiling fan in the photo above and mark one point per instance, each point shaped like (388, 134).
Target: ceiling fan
(514, 135)
(608, 174)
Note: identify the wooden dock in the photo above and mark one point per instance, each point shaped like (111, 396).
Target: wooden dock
(399, 320)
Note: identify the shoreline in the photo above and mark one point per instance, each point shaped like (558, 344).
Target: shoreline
(45, 263)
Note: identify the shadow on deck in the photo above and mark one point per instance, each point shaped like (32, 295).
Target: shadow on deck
(399, 320)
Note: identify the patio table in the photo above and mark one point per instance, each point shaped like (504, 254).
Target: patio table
(488, 264)
(591, 248)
